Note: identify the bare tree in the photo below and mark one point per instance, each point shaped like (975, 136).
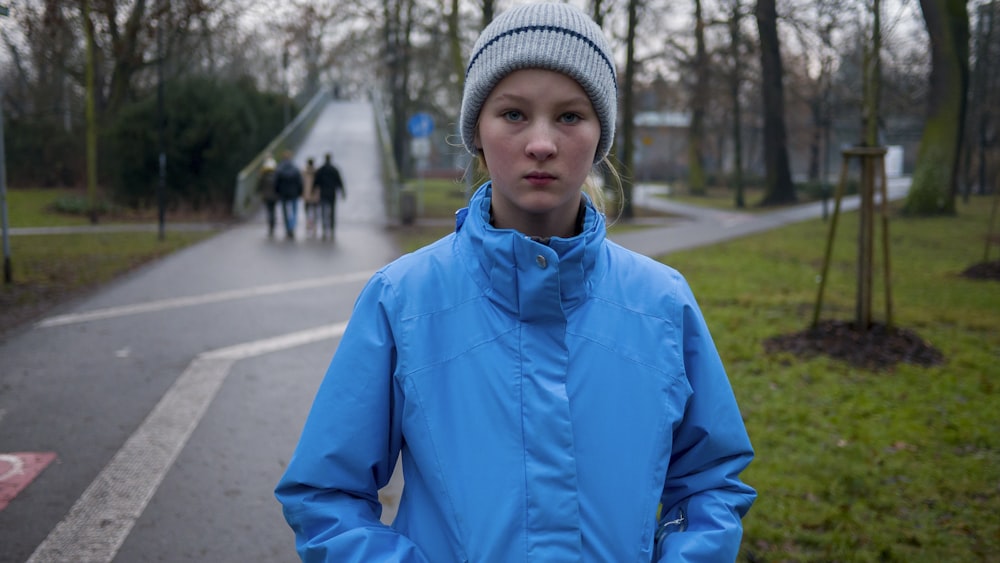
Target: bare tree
(735, 81)
(627, 149)
(398, 24)
(91, 117)
(779, 189)
(488, 11)
(983, 107)
(455, 44)
(698, 104)
(306, 32)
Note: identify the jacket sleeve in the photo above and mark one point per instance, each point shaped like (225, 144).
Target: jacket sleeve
(348, 448)
(704, 500)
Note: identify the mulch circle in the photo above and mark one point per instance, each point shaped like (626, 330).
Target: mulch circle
(876, 348)
(983, 271)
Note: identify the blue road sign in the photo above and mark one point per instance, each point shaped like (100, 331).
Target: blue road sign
(420, 125)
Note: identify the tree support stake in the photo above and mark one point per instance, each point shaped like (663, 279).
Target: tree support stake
(872, 160)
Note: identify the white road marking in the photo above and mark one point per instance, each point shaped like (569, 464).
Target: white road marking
(164, 304)
(101, 519)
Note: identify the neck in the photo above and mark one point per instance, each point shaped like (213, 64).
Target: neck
(542, 228)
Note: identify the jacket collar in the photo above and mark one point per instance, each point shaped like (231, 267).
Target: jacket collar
(529, 279)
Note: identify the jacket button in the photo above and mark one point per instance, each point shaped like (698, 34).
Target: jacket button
(541, 261)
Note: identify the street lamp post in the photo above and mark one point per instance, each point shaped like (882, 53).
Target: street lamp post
(8, 269)
(284, 78)
(161, 188)
(8, 273)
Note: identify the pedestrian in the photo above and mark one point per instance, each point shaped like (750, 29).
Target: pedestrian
(310, 196)
(288, 186)
(265, 190)
(554, 396)
(330, 183)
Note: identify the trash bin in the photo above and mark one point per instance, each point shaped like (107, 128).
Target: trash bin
(407, 206)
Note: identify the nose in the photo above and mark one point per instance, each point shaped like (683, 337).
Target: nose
(541, 143)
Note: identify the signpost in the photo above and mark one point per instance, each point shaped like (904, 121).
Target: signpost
(420, 126)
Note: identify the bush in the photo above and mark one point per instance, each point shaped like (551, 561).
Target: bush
(40, 152)
(80, 205)
(213, 128)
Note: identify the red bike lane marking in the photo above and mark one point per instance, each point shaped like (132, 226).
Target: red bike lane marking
(17, 470)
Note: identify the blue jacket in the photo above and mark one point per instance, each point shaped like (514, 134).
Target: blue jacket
(547, 400)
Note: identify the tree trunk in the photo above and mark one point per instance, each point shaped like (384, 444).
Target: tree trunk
(127, 54)
(455, 45)
(597, 14)
(88, 31)
(872, 79)
(398, 21)
(981, 96)
(935, 180)
(698, 103)
(628, 110)
(779, 189)
(487, 12)
(735, 80)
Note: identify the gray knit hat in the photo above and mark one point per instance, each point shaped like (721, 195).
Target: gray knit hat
(548, 36)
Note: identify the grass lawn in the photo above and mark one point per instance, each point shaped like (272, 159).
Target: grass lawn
(33, 208)
(47, 269)
(852, 464)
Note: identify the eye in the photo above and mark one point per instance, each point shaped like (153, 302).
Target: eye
(569, 118)
(513, 115)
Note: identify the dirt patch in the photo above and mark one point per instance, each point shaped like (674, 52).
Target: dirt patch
(876, 348)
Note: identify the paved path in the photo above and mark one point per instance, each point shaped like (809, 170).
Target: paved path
(701, 226)
(159, 412)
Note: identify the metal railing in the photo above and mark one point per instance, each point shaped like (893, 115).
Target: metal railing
(390, 171)
(245, 198)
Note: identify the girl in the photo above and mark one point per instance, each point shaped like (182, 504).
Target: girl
(555, 397)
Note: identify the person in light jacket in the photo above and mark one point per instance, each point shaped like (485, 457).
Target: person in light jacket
(555, 397)
(310, 196)
(265, 189)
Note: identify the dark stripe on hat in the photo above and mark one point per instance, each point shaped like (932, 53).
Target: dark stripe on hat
(526, 28)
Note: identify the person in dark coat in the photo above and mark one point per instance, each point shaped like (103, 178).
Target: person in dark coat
(265, 189)
(288, 186)
(330, 183)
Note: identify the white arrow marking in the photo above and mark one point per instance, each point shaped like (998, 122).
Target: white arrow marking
(97, 525)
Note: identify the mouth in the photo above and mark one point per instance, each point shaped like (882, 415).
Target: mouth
(539, 178)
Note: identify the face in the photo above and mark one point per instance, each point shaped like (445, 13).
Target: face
(539, 133)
